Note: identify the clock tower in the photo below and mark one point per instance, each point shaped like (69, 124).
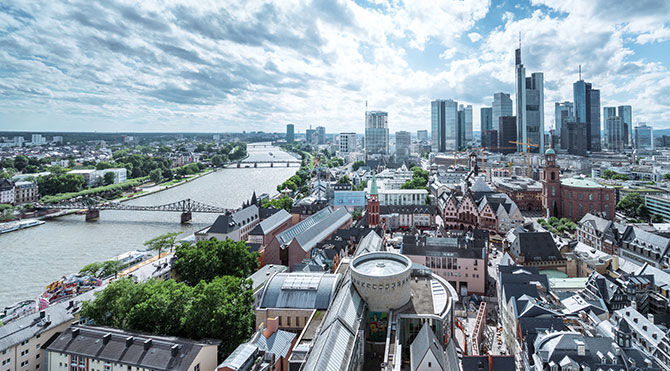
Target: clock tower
(551, 185)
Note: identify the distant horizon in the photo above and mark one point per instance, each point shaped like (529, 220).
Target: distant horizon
(210, 67)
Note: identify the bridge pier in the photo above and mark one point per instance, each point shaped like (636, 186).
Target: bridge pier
(255, 164)
(186, 217)
(238, 165)
(272, 164)
(92, 215)
(288, 164)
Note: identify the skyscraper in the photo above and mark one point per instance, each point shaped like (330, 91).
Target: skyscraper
(587, 111)
(444, 125)
(562, 111)
(626, 114)
(607, 113)
(613, 131)
(347, 142)
(467, 123)
(290, 134)
(311, 137)
(529, 107)
(422, 135)
(508, 132)
(501, 106)
(321, 133)
(403, 143)
(376, 133)
(644, 136)
(486, 119)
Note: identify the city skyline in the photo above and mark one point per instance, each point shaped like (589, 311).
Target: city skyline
(151, 68)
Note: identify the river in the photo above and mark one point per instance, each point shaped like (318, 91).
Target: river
(33, 257)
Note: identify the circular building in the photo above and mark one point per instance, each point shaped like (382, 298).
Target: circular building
(382, 279)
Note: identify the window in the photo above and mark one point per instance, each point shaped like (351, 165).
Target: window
(288, 321)
(553, 188)
(197, 367)
(37, 356)
(607, 197)
(297, 322)
(590, 196)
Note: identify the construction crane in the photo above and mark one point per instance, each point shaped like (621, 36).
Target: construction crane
(492, 149)
(528, 145)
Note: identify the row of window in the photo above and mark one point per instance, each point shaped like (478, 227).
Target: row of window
(288, 321)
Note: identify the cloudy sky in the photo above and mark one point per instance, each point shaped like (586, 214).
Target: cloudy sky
(117, 65)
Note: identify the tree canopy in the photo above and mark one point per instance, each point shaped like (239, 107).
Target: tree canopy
(419, 179)
(205, 260)
(165, 241)
(632, 205)
(283, 202)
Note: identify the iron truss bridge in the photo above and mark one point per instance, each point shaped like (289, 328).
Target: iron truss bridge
(183, 206)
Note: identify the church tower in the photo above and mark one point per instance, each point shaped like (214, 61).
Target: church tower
(373, 204)
(551, 185)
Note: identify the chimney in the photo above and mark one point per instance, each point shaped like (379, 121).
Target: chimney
(42, 314)
(106, 338)
(581, 348)
(650, 317)
(271, 326)
(174, 350)
(75, 332)
(147, 344)
(129, 341)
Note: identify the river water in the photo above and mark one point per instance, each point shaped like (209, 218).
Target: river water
(33, 257)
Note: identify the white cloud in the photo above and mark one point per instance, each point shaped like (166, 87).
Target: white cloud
(474, 37)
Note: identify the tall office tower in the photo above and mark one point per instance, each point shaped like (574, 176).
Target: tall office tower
(644, 136)
(460, 136)
(613, 132)
(501, 106)
(403, 144)
(311, 137)
(490, 140)
(422, 135)
(626, 114)
(467, 123)
(529, 107)
(290, 133)
(321, 133)
(347, 142)
(507, 134)
(587, 111)
(444, 125)
(576, 137)
(562, 111)
(607, 113)
(376, 133)
(486, 119)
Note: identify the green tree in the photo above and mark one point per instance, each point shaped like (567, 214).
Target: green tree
(156, 175)
(357, 165)
(92, 269)
(110, 268)
(629, 205)
(287, 184)
(344, 180)
(108, 178)
(221, 309)
(163, 242)
(205, 260)
(283, 202)
(20, 162)
(666, 176)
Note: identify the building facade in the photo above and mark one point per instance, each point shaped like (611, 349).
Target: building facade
(614, 133)
(376, 133)
(347, 142)
(572, 198)
(562, 111)
(501, 106)
(507, 134)
(7, 191)
(644, 136)
(529, 107)
(467, 123)
(587, 111)
(486, 119)
(445, 131)
(403, 145)
(626, 114)
(25, 192)
(290, 133)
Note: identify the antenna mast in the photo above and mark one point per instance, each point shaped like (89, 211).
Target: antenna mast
(580, 72)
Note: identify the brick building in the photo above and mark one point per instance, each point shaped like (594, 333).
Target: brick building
(573, 198)
(525, 192)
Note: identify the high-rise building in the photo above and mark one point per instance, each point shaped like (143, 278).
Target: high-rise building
(290, 133)
(576, 137)
(644, 136)
(626, 114)
(347, 142)
(461, 129)
(490, 139)
(607, 113)
(529, 107)
(486, 119)
(444, 125)
(507, 134)
(422, 135)
(613, 130)
(587, 111)
(562, 111)
(311, 137)
(376, 133)
(321, 134)
(403, 144)
(467, 123)
(501, 106)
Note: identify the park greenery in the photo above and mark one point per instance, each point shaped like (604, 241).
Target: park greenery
(109, 191)
(6, 212)
(163, 242)
(283, 202)
(357, 165)
(210, 298)
(558, 226)
(344, 180)
(419, 179)
(634, 207)
(610, 174)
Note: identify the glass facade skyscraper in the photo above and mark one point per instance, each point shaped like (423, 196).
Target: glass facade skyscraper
(529, 107)
(486, 119)
(467, 123)
(403, 144)
(644, 136)
(562, 111)
(613, 131)
(290, 133)
(376, 133)
(501, 106)
(444, 125)
(587, 111)
(626, 114)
